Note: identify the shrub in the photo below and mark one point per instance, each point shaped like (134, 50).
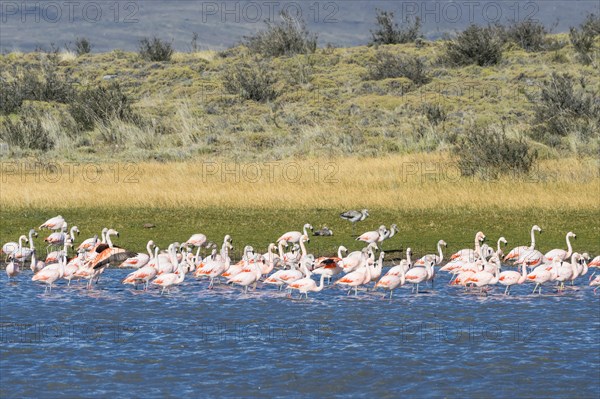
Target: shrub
(434, 113)
(561, 108)
(288, 37)
(82, 46)
(583, 40)
(101, 104)
(155, 49)
(27, 132)
(388, 65)
(388, 31)
(475, 45)
(251, 81)
(528, 34)
(35, 84)
(488, 152)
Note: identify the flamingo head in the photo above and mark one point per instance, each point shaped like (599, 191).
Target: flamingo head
(537, 228)
(442, 242)
(572, 235)
(502, 240)
(480, 236)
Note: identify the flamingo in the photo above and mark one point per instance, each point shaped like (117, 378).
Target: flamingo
(531, 258)
(23, 253)
(167, 280)
(566, 271)
(561, 254)
(294, 236)
(144, 274)
(374, 237)
(376, 272)
(55, 223)
(140, 259)
(401, 268)
(595, 283)
(595, 262)
(516, 253)
(197, 240)
(360, 276)
(73, 266)
(392, 281)
(49, 275)
(12, 247)
(12, 269)
(306, 285)
(353, 260)
(214, 268)
(484, 277)
(436, 259)
(89, 243)
(236, 269)
(540, 276)
(469, 254)
(288, 276)
(109, 253)
(418, 274)
(355, 216)
(330, 266)
(246, 279)
(511, 277)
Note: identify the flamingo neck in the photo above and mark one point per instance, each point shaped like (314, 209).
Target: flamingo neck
(440, 251)
(569, 247)
(108, 240)
(532, 239)
(149, 249)
(31, 240)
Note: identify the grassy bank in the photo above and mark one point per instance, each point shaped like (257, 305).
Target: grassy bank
(419, 229)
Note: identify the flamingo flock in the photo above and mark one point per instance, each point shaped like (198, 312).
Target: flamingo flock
(288, 265)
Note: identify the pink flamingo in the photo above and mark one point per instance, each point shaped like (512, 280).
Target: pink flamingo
(469, 254)
(246, 279)
(140, 259)
(403, 267)
(540, 276)
(360, 276)
(167, 280)
(418, 274)
(595, 262)
(49, 275)
(392, 281)
(517, 252)
(373, 237)
(510, 277)
(306, 285)
(294, 236)
(436, 259)
(561, 254)
(143, 274)
(55, 223)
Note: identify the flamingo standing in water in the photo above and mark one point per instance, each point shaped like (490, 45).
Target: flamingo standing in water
(468, 254)
(293, 237)
(355, 216)
(512, 277)
(392, 281)
(246, 279)
(12, 269)
(140, 259)
(49, 275)
(540, 276)
(518, 252)
(374, 237)
(418, 274)
(360, 276)
(167, 280)
(401, 268)
(329, 266)
(484, 277)
(214, 268)
(567, 271)
(560, 254)
(306, 285)
(436, 259)
(145, 273)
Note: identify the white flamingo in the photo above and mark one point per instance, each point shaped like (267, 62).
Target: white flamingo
(517, 252)
(49, 275)
(294, 236)
(561, 254)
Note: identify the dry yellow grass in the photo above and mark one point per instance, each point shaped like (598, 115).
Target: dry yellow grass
(422, 181)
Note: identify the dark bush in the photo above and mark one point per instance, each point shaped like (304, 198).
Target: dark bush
(434, 113)
(251, 81)
(528, 34)
(388, 65)
(82, 46)
(288, 37)
(35, 84)
(100, 104)
(388, 31)
(155, 49)
(562, 108)
(583, 39)
(475, 45)
(27, 132)
(485, 152)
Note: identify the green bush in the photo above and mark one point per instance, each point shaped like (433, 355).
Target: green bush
(488, 152)
(564, 106)
(26, 132)
(289, 37)
(82, 46)
(583, 39)
(388, 65)
(155, 49)
(101, 104)
(528, 34)
(42, 83)
(251, 81)
(475, 45)
(388, 31)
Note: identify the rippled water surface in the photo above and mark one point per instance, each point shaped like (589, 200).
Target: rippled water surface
(119, 342)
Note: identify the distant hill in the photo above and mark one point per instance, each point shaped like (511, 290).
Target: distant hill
(220, 24)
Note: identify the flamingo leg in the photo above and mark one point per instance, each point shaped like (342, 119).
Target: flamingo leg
(417, 291)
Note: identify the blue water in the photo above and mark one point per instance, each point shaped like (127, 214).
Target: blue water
(114, 341)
